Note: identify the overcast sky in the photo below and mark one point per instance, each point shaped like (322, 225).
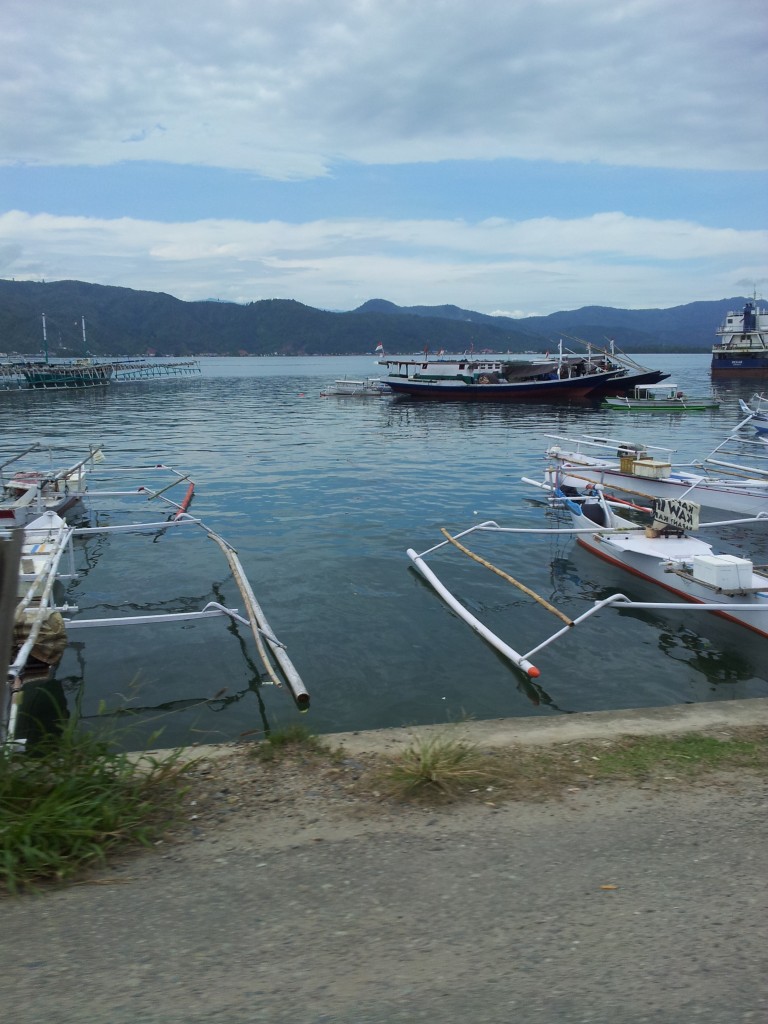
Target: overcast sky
(507, 156)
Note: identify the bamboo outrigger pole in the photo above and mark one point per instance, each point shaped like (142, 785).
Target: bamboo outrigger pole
(510, 579)
(262, 631)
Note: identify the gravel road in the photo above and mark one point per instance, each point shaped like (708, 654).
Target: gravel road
(612, 906)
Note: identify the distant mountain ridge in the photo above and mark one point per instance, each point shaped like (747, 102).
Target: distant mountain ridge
(124, 321)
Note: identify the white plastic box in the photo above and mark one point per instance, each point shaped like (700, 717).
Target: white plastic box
(651, 469)
(728, 572)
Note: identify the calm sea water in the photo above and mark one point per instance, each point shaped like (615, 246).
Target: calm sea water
(321, 497)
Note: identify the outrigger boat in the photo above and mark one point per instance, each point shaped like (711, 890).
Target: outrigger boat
(370, 387)
(660, 398)
(26, 493)
(726, 585)
(48, 560)
(756, 412)
(723, 480)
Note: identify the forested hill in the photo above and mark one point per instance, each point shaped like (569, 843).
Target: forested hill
(123, 321)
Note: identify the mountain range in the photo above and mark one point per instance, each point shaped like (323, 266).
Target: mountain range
(124, 321)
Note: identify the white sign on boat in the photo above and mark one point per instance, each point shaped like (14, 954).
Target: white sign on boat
(683, 515)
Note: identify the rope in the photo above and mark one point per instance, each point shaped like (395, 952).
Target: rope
(510, 579)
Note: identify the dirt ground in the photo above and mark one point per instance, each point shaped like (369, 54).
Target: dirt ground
(295, 892)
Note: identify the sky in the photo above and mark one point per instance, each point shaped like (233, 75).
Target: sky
(512, 157)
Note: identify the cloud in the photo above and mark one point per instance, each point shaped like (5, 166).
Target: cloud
(286, 88)
(542, 264)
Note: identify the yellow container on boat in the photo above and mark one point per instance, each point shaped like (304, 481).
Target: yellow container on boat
(651, 469)
(626, 462)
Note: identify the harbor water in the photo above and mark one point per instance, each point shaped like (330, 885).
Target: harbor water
(321, 498)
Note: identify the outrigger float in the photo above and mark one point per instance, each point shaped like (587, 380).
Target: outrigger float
(663, 553)
(36, 560)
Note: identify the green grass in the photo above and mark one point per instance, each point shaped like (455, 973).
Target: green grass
(691, 755)
(73, 801)
(442, 765)
(290, 741)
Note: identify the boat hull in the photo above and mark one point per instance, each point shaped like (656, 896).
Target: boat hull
(621, 384)
(747, 500)
(651, 568)
(727, 364)
(680, 405)
(451, 390)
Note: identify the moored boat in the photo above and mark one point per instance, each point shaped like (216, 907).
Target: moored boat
(666, 554)
(501, 379)
(644, 472)
(661, 398)
(756, 411)
(494, 380)
(369, 387)
(726, 585)
(53, 553)
(26, 492)
(743, 345)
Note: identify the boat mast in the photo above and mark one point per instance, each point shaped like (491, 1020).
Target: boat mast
(45, 339)
(85, 347)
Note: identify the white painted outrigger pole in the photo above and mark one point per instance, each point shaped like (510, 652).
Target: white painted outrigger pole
(516, 658)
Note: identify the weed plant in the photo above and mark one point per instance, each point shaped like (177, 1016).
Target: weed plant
(71, 801)
(291, 741)
(436, 765)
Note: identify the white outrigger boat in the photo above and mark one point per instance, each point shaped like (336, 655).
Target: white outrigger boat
(27, 492)
(661, 398)
(722, 584)
(346, 387)
(722, 480)
(46, 558)
(756, 412)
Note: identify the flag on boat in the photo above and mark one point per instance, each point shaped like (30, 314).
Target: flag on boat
(379, 350)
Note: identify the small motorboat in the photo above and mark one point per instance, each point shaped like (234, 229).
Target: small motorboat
(370, 387)
(661, 398)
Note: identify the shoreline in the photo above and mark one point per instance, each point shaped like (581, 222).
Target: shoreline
(582, 725)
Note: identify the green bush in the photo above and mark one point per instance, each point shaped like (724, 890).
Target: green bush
(67, 804)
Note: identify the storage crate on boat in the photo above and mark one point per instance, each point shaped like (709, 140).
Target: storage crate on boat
(728, 572)
(626, 462)
(651, 469)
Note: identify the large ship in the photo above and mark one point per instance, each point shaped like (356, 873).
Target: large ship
(742, 347)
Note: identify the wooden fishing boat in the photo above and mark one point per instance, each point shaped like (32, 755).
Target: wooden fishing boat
(505, 379)
(661, 398)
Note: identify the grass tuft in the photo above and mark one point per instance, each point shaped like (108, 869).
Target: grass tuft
(66, 806)
(290, 741)
(438, 765)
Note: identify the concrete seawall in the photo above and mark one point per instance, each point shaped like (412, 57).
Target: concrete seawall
(585, 725)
